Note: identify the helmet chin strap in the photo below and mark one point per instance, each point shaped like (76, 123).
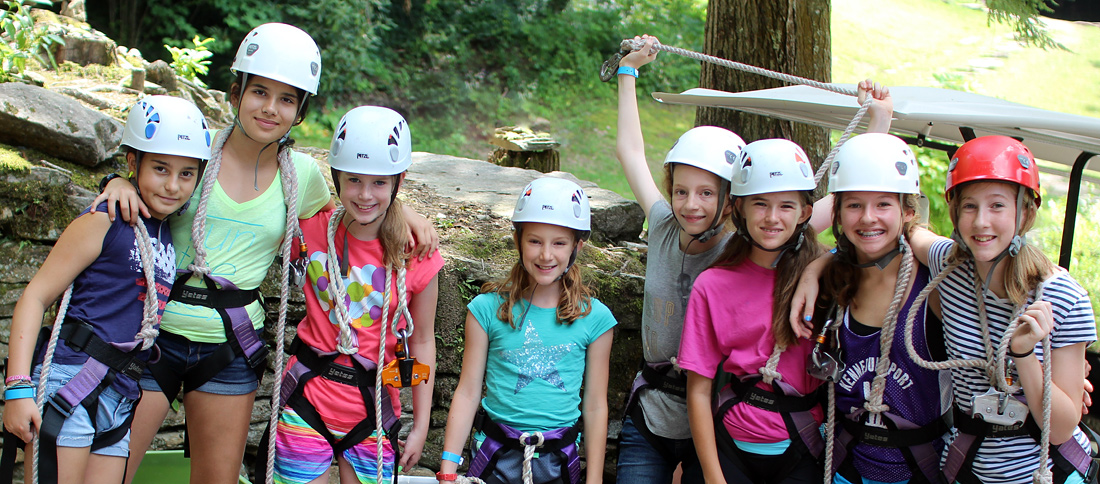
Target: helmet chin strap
(1014, 247)
(886, 259)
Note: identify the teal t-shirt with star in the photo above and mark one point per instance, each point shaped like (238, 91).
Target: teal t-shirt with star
(533, 372)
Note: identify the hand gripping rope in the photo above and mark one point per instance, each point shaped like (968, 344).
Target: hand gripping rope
(147, 334)
(882, 368)
(611, 65)
(995, 362)
(289, 180)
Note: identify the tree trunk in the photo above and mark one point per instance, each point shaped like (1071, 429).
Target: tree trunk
(789, 36)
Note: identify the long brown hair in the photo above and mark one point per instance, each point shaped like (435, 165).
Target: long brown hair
(1025, 271)
(574, 302)
(788, 271)
(841, 278)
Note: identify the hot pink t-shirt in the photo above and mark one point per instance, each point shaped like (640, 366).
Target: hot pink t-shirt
(730, 314)
(342, 406)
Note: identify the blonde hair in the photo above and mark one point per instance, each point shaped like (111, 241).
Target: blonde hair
(789, 269)
(1023, 272)
(574, 302)
(393, 231)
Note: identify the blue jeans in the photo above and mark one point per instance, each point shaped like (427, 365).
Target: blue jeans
(641, 463)
(182, 355)
(79, 430)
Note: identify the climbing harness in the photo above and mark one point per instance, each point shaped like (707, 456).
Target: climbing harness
(1000, 411)
(795, 409)
(106, 361)
(665, 377)
(611, 65)
(501, 438)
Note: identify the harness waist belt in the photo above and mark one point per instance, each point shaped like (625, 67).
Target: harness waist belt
(657, 377)
(896, 438)
(80, 336)
(976, 426)
(213, 298)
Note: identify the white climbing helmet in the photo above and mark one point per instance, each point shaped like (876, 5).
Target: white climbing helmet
(875, 162)
(708, 148)
(554, 201)
(282, 53)
(371, 140)
(167, 125)
(769, 166)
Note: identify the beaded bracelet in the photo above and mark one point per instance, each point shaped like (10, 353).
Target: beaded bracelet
(16, 378)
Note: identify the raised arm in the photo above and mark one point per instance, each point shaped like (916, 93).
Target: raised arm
(629, 144)
(881, 112)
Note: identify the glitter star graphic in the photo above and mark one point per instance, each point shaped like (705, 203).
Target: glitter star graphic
(535, 360)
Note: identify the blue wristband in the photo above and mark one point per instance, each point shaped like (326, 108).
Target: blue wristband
(451, 456)
(630, 71)
(19, 392)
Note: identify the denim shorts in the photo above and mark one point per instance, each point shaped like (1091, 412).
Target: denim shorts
(78, 430)
(181, 356)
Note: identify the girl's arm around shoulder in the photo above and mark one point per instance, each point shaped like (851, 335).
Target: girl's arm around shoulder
(597, 362)
(629, 143)
(424, 240)
(802, 304)
(921, 241)
(313, 191)
(468, 393)
(79, 245)
(422, 346)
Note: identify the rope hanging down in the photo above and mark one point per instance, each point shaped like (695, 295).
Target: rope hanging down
(147, 334)
(611, 65)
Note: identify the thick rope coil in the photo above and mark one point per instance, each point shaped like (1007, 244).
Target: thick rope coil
(529, 453)
(886, 334)
(637, 44)
(44, 374)
(149, 321)
(768, 371)
(911, 319)
(289, 180)
(348, 342)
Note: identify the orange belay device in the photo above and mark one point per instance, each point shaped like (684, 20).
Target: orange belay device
(404, 371)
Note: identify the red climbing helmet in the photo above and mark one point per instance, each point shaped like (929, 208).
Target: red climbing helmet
(993, 158)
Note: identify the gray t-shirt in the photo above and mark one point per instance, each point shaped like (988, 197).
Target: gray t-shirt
(663, 313)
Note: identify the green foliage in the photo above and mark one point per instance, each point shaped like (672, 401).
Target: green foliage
(21, 40)
(190, 63)
(933, 179)
(1023, 15)
(1085, 261)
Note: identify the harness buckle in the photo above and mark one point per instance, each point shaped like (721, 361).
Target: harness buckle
(999, 408)
(62, 405)
(255, 360)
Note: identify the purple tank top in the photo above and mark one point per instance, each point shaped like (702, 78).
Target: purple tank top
(110, 293)
(916, 396)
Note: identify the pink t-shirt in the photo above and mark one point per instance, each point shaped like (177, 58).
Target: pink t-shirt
(729, 315)
(342, 406)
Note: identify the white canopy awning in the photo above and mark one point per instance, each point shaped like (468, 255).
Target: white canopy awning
(937, 114)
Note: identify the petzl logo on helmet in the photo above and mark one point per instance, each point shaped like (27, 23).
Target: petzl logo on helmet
(775, 174)
(251, 49)
(1024, 162)
(901, 167)
(183, 137)
(548, 207)
(362, 156)
(730, 157)
(314, 68)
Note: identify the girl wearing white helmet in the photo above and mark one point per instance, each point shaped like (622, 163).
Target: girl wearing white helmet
(532, 339)
(120, 277)
(359, 282)
(687, 233)
(736, 324)
(245, 214)
(894, 410)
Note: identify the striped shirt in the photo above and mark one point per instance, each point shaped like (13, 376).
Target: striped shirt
(1012, 459)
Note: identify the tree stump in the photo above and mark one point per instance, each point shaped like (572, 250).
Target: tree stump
(520, 147)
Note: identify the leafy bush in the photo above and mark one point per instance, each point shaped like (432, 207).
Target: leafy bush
(190, 63)
(21, 40)
(1085, 261)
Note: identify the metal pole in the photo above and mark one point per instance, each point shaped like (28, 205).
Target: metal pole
(1066, 250)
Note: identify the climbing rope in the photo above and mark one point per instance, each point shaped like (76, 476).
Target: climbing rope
(995, 362)
(289, 180)
(630, 45)
(769, 371)
(348, 342)
(147, 334)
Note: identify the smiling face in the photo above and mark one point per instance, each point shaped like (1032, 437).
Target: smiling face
(545, 251)
(986, 217)
(267, 109)
(695, 196)
(872, 222)
(772, 219)
(164, 181)
(366, 198)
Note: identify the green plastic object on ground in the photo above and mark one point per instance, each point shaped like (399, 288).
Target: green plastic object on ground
(166, 467)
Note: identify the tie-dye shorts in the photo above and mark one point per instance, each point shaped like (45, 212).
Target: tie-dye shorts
(303, 455)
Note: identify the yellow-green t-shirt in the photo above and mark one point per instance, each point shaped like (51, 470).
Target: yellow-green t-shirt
(242, 239)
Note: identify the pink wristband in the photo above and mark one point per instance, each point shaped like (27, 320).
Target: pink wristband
(16, 378)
